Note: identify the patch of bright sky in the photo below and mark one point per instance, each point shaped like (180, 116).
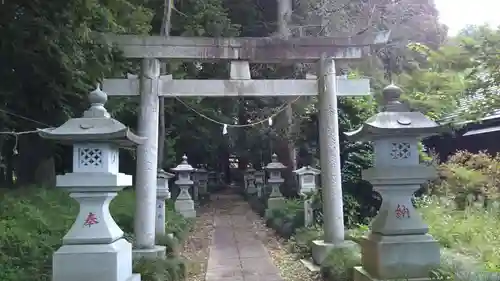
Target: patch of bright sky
(457, 14)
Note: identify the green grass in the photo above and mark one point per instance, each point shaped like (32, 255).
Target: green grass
(34, 220)
(473, 232)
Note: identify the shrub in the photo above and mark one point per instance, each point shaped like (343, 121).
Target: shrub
(340, 263)
(170, 269)
(467, 174)
(351, 207)
(287, 219)
(258, 205)
(471, 232)
(301, 242)
(34, 220)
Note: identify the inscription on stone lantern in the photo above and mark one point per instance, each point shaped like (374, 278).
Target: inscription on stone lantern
(308, 179)
(402, 212)
(90, 220)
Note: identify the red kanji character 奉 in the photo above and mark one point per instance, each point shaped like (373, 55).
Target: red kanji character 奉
(402, 211)
(90, 220)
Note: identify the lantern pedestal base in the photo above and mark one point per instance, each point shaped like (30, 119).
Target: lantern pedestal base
(275, 202)
(321, 249)
(153, 253)
(96, 262)
(401, 256)
(185, 208)
(251, 190)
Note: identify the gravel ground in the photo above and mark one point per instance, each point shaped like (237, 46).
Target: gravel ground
(196, 247)
(291, 269)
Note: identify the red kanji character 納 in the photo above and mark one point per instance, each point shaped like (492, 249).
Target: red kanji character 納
(402, 211)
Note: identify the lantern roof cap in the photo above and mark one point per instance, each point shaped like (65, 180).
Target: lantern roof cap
(183, 166)
(96, 125)
(250, 169)
(307, 170)
(165, 175)
(275, 164)
(201, 170)
(396, 118)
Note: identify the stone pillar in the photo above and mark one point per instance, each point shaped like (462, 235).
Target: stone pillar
(398, 246)
(275, 180)
(245, 180)
(308, 212)
(331, 177)
(94, 247)
(196, 184)
(162, 194)
(259, 182)
(147, 158)
(212, 179)
(184, 204)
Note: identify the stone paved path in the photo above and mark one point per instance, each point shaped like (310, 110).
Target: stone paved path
(236, 253)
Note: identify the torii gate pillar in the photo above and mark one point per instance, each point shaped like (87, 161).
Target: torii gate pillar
(333, 219)
(147, 162)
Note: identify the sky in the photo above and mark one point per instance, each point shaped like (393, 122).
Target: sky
(457, 14)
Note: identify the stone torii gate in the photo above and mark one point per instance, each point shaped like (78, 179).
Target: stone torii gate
(240, 52)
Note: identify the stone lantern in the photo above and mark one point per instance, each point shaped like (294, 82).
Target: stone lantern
(162, 194)
(202, 176)
(245, 179)
(94, 247)
(398, 246)
(250, 181)
(212, 179)
(184, 204)
(259, 182)
(275, 180)
(307, 179)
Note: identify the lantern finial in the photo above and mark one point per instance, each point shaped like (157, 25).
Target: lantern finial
(97, 99)
(274, 158)
(392, 95)
(97, 96)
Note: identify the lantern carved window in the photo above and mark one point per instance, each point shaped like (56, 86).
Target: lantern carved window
(400, 150)
(90, 157)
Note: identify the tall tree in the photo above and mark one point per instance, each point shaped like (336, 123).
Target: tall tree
(49, 60)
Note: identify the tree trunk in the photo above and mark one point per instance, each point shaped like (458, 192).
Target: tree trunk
(165, 31)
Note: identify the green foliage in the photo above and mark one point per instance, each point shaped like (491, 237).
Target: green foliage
(471, 232)
(481, 46)
(34, 220)
(340, 263)
(301, 242)
(258, 204)
(287, 219)
(467, 174)
(463, 216)
(170, 269)
(436, 86)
